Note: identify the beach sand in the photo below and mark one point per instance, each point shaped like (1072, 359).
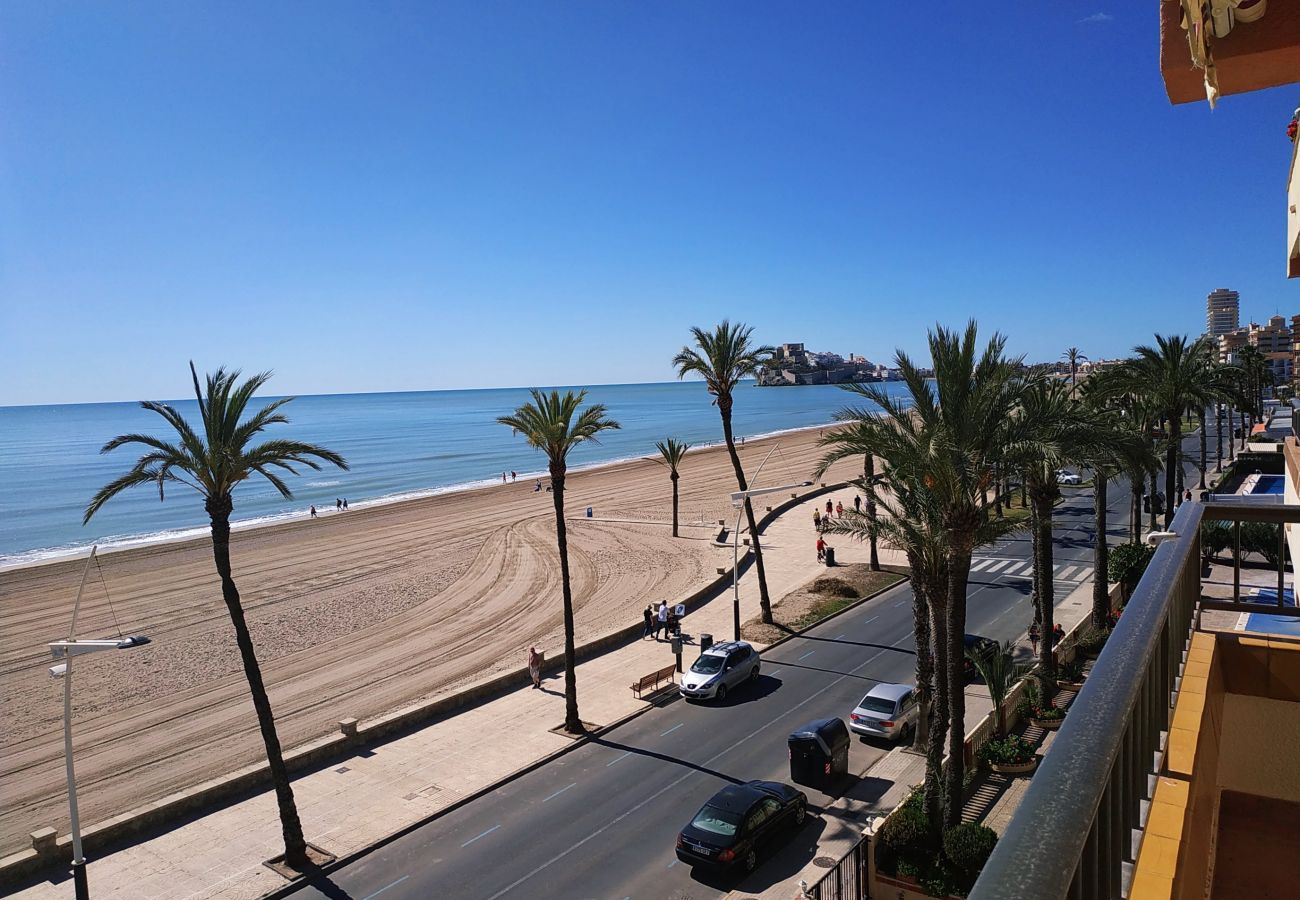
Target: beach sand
(353, 614)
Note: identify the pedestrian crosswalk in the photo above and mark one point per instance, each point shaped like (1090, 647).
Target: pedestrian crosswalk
(1074, 573)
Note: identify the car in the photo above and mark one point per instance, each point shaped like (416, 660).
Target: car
(739, 823)
(887, 711)
(976, 644)
(1065, 476)
(719, 669)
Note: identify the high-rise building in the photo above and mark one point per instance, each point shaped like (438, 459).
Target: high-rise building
(1222, 312)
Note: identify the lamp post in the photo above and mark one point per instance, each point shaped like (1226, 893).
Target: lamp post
(738, 499)
(65, 650)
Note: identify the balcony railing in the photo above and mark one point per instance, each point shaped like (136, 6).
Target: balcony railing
(1076, 829)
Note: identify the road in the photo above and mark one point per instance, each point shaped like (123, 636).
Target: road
(601, 821)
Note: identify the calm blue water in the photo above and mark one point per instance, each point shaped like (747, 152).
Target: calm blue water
(398, 445)
(1269, 484)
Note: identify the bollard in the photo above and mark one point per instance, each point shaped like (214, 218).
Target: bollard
(677, 651)
(45, 841)
(348, 727)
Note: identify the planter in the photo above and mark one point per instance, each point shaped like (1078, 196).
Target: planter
(1023, 768)
(1046, 724)
(1075, 686)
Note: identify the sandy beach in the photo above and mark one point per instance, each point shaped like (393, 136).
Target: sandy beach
(354, 614)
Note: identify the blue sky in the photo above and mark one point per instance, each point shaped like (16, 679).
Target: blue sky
(393, 196)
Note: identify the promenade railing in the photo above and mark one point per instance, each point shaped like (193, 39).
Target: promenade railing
(1073, 834)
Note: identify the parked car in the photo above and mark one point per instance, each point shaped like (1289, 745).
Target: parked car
(719, 669)
(740, 823)
(887, 711)
(976, 644)
(1065, 476)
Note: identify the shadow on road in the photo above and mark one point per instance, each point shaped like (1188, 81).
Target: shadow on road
(615, 745)
(321, 882)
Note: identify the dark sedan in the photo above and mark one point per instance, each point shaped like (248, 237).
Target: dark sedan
(981, 645)
(739, 823)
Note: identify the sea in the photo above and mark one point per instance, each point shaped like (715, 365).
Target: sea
(399, 445)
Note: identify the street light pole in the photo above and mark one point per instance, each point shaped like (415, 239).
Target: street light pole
(738, 500)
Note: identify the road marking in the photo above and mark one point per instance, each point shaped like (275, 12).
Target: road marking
(808, 654)
(979, 564)
(869, 621)
(673, 863)
(674, 728)
(673, 784)
(839, 637)
(773, 672)
(997, 566)
(386, 887)
(624, 756)
(484, 834)
(559, 792)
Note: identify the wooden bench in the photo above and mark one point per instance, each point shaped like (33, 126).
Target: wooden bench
(654, 681)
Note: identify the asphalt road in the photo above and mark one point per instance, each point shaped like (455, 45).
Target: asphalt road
(601, 821)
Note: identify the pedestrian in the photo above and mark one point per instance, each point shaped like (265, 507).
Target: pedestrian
(649, 622)
(661, 621)
(503, 477)
(857, 503)
(817, 520)
(839, 509)
(1034, 634)
(829, 507)
(313, 512)
(345, 504)
(821, 549)
(1058, 634)
(537, 486)
(535, 667)
(338, 505)
(1187, 497)
(514, 476)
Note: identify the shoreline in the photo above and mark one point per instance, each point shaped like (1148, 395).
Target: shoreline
(114, 545)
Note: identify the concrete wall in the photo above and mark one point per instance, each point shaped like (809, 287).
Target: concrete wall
(1260, 743)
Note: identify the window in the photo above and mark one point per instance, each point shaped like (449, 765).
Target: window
(717, 821)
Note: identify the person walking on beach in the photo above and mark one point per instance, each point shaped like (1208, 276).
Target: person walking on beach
(514, 475)
(661, 623)
(535, 667)
(839, 510)
(821, 549)
(829, 509)
(338, 505)
(817, 520)
(345, 504)
(313, 512)
(649, 623)
(857, 503)
(1034, 634)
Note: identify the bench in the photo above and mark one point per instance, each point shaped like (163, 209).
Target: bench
(654, 681)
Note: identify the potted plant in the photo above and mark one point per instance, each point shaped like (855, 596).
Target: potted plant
(1127, 563)
(998, 669)
(1037, 711)
(1090, 640)
(1010, 755)
(1070, 675)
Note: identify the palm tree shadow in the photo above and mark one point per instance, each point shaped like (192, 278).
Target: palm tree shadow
(317, 879)
(615, 745)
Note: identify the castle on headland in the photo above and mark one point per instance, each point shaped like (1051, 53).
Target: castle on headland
(792, 364)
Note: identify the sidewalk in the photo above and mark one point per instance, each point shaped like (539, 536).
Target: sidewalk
(383, 788)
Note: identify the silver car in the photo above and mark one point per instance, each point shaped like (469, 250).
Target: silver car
(887, 711)
(718, 669)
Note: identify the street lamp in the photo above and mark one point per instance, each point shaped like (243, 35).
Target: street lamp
(738, 499)
(66, 650)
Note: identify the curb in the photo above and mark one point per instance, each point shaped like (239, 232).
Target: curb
(906, 579)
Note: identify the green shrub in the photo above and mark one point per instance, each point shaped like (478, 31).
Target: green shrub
(1071, 671)
(1008, 751)
(1261, 538)
(968, 846)
(1215, 538)
(939, 879)
(1048, 714)
(1091, 640)
(1128, 562)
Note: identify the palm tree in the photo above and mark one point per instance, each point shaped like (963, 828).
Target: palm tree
(1175, 374)
(1073, 357)
(913, 523)
(213, 463)
(723, 357)
(869, 477)
(553, 424)
(999, 671)
(671, 453)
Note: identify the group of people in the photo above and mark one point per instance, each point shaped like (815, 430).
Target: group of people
(835, 508)
(662, 619)
(1036, 634)
(513, 476)
(339, 506)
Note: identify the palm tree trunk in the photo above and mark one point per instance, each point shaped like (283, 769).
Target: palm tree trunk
(929, 728)
(1232, 442)
(869, 471)
(572, 723)
(1218, 436)
(1200, 418)
(954, 776)
(674, 477)
(1043, 565)
(940, 709)
(295, 845)
(764, 601)
(1244, 429)
(1100, 553)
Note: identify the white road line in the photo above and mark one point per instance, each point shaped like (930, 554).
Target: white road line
(998, 566)
(673, 863)
(386, 887)
(560, 791)
(1069, 573)
(484, 834)
(839, 637)
(624, 756)
(979, 564)
(869, 621)
(671, 730)
(808, 654)
(1019, 569)
(673, 784)
(774, 672)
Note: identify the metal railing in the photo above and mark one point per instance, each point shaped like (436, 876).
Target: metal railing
(1074, 830)
(848, 880)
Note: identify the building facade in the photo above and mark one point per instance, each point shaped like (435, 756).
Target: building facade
(1222, 312)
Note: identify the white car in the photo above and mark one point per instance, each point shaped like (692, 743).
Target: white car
(722, 666)
(887, 711)
(1065, 476)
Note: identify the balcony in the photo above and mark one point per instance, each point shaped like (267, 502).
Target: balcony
(1252, 56)
(1293, 214)
(1176, 773)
